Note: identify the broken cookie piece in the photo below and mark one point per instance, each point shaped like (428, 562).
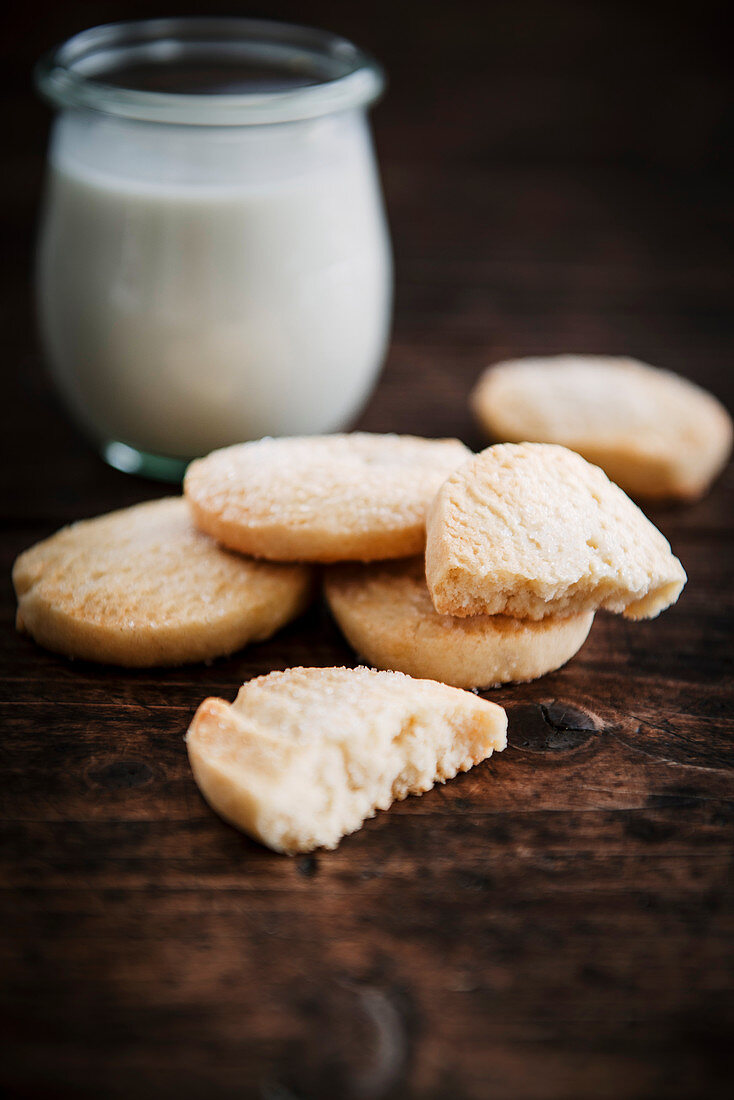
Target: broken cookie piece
(304, 757)
(532, 529)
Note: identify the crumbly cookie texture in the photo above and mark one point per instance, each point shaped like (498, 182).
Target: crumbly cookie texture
(142, 587)
(655, 434)
(387, 616)
(331, 498)
(532, 529)
(304, 757)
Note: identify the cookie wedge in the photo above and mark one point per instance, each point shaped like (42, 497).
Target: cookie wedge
(304, 757)
(532, 529)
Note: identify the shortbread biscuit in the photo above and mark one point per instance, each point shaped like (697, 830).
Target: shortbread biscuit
(532, 529)
(304, 757)
(387, 616)
(322, 498)
(143, 587)
(654, 433)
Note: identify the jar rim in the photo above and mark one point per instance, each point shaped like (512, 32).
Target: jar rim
(342, 76)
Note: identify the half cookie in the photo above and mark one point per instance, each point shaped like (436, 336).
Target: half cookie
(387, 616)
(322, 498)
(143, 587)
(654, 433)
(304, 757)
(532, 529)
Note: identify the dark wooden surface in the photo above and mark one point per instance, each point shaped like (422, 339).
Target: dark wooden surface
(555, 924)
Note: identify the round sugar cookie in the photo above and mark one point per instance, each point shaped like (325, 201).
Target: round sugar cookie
(142, 587)
(357, 497)
(654, 433)
(532, 529)
(387, 616)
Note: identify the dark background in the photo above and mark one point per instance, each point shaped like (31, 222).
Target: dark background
(555, 925)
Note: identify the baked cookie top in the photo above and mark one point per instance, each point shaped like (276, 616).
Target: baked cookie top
(532, 529)
(142, 586)
(387, 615)
(322, 498)
(303, 757)
(654, 433)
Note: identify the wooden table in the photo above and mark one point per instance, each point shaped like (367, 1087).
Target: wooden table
(553, 924)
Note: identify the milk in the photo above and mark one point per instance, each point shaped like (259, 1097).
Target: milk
(199, 286)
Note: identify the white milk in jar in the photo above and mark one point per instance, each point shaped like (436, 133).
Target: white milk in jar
(209, 281)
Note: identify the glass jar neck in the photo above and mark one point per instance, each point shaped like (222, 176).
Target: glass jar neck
(209, 72)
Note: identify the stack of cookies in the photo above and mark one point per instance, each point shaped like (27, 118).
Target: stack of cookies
(472, 570)
(523, 544)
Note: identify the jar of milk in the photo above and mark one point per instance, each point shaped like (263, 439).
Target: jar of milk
(214, 263)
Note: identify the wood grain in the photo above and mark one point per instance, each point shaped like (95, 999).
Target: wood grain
(556, 924)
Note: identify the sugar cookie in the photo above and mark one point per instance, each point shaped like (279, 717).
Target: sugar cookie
(142, 586)
(304, 757)
(654, 433)
(387, 616)
(322, 498)
(532, 529)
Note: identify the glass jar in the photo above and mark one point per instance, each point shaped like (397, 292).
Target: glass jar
(214, 263)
